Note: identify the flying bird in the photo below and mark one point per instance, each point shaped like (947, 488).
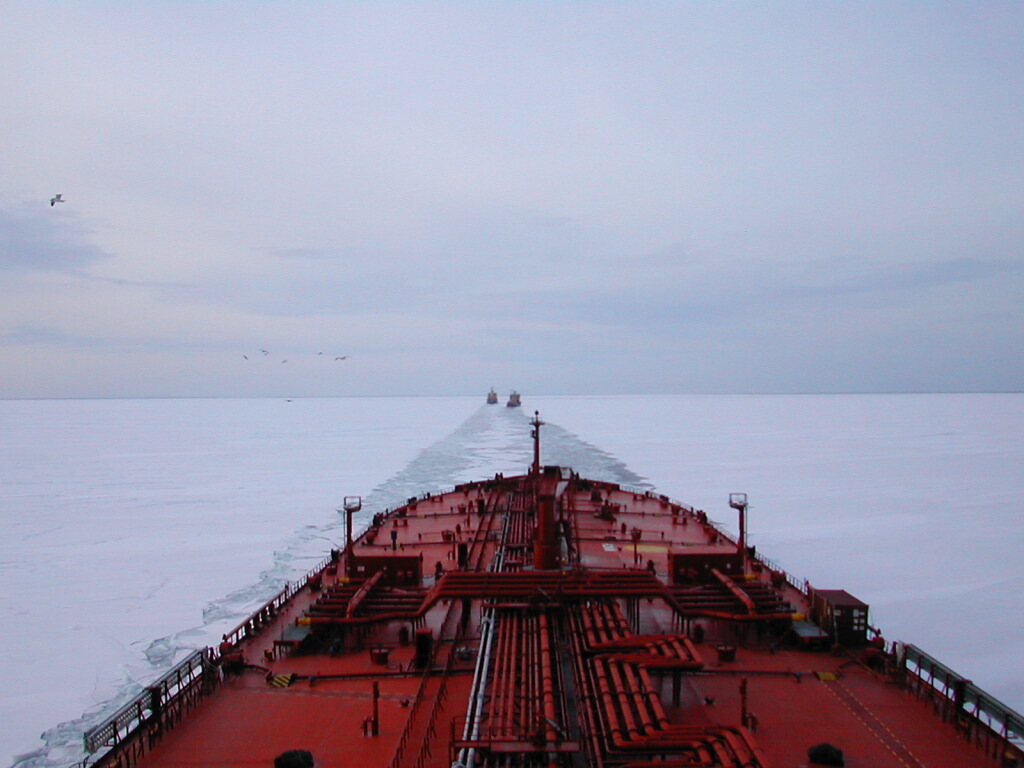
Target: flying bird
(57, 199)
(345, 357)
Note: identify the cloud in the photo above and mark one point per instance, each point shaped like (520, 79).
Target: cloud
(41, 238)
(950, 272)
(31, 335)
(533, 187)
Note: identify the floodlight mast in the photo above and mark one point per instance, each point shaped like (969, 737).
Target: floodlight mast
(738, 501)
(350, 505)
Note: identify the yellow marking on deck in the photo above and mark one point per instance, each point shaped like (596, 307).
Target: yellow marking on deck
(652, 547)
(283, 681)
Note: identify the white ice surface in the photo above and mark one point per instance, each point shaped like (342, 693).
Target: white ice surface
(135, 530)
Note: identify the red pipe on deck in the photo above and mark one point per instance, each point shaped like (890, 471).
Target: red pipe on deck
(626, 694)
(499, 679)
(654, 700)
(512, 660)
(587, 628)
(604, 634)
(362, 592)
(515, 658)
(622, 626)
(611, 717)
(546, 547)
(733, 587)
(547, 680)
(649, 718)
(587, 695)
(532, 675)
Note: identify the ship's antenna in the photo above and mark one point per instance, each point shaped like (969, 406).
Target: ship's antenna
(535, 434)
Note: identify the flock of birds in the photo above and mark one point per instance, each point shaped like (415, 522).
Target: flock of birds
(266, 353)
(59, 198)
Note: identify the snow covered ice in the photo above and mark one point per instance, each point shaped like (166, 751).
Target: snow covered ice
(137, 530)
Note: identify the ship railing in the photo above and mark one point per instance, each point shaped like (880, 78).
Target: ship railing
(175, 693)
(439, 701)
(439, 698)
(255, 621)
(417, 704)
(991, 724)
(162, 703)
(801, 585)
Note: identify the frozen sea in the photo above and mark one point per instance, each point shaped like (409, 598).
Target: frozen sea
(136, 530)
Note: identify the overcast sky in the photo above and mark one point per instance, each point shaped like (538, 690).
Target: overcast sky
(561, 197)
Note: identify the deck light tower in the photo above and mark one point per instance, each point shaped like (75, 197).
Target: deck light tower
(350, 505)
(738, 501)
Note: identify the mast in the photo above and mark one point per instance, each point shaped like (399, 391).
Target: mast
(352, 504)
(535, 434)
(738, 501)
(545, 551)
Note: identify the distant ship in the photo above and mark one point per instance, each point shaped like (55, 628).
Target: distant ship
(492, 397)
(513, 400)
(550, 620)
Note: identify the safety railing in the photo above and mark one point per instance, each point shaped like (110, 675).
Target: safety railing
(989, 723)
(158, 707)
(162, 704)
(801, 585)
(439, 698)
(262, 615)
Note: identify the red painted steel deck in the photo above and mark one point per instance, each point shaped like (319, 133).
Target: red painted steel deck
(656, 639)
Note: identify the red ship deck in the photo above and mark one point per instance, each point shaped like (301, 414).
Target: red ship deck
(550, 620)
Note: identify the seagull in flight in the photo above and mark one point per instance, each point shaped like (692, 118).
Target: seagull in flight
(59, 198)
